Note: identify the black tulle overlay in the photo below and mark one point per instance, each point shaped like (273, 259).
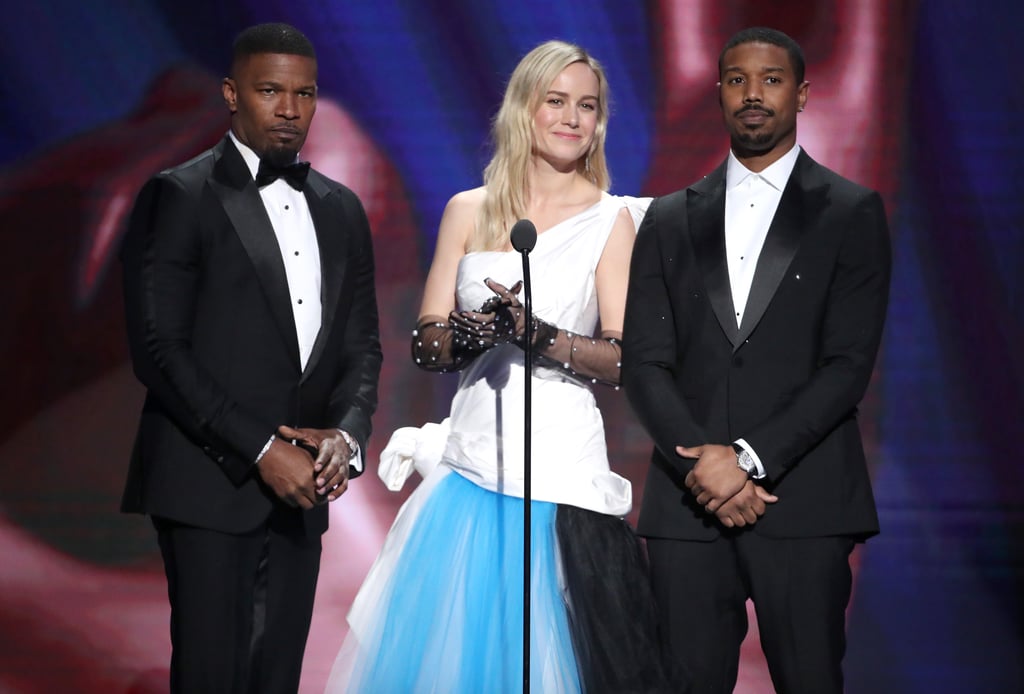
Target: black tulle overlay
(611, 607)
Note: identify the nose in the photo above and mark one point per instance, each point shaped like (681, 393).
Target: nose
(288, 106)
(572, 118)
(752, 91)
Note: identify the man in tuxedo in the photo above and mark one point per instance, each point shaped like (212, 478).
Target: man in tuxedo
(757, 298)
(252, 321)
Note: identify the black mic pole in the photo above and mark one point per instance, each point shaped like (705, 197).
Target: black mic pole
(524, 238)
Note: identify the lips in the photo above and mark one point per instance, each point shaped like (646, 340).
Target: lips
(285, 133)
(752, 116)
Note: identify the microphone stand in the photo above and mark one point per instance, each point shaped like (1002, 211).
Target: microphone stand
(524, 238)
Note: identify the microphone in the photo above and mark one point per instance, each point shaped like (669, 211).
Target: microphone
(524, 238)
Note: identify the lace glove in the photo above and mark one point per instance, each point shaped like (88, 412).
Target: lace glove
(596, 358)
(440, 345)
(437, 346)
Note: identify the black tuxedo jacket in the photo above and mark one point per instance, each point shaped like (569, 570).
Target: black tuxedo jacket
(788, 380)
(213, 339)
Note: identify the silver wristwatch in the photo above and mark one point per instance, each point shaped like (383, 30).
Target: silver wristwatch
(745, 461)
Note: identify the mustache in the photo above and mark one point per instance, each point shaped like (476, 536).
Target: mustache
(759, 109)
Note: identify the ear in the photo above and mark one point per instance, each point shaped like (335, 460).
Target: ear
(801, 95)
(227, 88)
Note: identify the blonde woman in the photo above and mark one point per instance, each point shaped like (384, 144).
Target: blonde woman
(441, 610)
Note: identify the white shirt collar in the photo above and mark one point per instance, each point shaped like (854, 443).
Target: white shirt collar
(776, 175)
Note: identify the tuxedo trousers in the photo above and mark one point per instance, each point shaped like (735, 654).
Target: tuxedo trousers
(800, 588)
(241, 604)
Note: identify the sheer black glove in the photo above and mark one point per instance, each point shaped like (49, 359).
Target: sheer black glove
(438, 346)
(596, 358)
(450, 345)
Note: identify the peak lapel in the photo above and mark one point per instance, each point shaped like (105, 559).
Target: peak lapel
(705, 207)
(330, 236)
(234, 186)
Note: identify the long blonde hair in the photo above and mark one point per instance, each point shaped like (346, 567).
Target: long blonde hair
(505, 177)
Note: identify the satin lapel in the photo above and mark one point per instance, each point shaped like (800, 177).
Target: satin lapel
(799, 205)
(331, 239)
(233, 185)
(705, 206)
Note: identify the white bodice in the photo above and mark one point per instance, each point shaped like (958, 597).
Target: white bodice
(485, 441)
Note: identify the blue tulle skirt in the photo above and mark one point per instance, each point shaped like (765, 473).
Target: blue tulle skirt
(445, 611)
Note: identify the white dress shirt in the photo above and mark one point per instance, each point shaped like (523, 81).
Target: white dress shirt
(296, 236)
(751, 200)
(750, 203)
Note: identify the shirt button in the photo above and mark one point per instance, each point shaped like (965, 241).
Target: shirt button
(300, 301)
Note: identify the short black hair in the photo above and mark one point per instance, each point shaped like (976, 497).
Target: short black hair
(769, 36)
(274, 37)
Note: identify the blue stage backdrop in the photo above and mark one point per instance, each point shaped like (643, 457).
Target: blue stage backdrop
(920, 100)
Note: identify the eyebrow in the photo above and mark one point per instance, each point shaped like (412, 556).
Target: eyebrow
(566, 94)
(279, 85)
(770, 68)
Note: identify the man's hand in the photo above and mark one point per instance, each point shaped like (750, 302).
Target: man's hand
(746, 506)
(332, 456)
(716, 477)
(288, 471)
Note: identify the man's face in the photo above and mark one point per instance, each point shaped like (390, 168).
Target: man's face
(760, 98)
(272, 98)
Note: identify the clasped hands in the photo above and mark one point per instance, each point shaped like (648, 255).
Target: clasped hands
(296, 477)
(502, 318)
(722, 488)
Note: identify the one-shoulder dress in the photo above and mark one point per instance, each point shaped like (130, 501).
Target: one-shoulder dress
(441, 610)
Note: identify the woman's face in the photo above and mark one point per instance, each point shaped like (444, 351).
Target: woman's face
(564, 124)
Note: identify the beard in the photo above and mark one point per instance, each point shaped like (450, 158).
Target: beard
(752, 141)
(279, 155)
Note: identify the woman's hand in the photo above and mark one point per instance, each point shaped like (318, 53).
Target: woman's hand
(509, 314)
(500, 319)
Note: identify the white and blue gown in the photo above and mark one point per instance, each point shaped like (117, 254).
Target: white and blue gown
(441, 609)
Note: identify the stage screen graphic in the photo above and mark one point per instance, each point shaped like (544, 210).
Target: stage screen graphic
(919, 100)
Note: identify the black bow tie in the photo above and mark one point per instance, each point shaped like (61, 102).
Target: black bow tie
(293, 174)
